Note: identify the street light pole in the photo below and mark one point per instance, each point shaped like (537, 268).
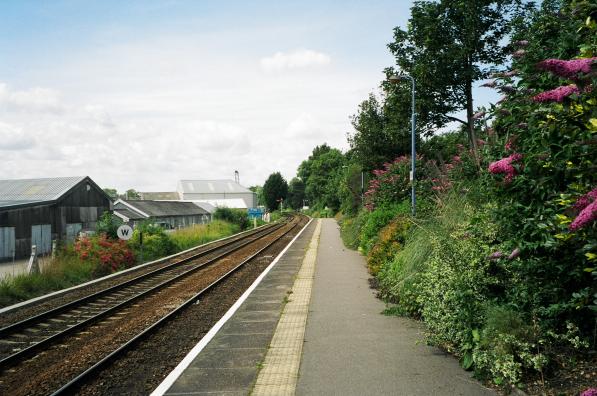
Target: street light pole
(413, 120)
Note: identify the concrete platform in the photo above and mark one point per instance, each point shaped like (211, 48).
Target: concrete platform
(352, 349)
(330, 338)
(229, 363)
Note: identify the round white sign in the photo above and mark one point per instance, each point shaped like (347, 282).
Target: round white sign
(124, 232)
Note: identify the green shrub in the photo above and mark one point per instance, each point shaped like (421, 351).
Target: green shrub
(156, 242)
(378, 219)
(234, 216)
(350, 229)
(189, 237)
(108, 224)
(390, 241)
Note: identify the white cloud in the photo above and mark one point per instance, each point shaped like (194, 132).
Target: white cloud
(301, 58)
(34, 99)
(13, 138)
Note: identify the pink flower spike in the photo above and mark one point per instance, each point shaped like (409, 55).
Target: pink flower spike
(567, 68)
(511, 73)
(556, 95)
(589, 392)
(519, 53)
(504, 166)
(585, 217)
(515, 253)
(478, 115)
(585, 200)
(522, 43)
(495, 256)
(489, 84)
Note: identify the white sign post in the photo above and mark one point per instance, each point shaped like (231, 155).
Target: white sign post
(124, 232)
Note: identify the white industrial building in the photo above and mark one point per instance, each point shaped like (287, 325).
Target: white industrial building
(219, 193)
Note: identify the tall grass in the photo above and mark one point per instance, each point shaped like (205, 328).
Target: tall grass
(399, 279)
(60, 273)
(189, 237)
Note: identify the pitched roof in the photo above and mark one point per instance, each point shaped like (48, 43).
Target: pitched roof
(18, 192)
(211, 187)
(163, 208)
(160, 196)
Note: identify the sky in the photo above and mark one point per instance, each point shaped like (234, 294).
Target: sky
(141, 94)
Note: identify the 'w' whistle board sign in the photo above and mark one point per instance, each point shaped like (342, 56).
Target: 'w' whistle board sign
(124, 232)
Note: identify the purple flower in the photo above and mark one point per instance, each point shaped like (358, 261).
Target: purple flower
(505, 166)
(586, 216)
(585, 200)
(521, 43)
(478, 115)
(556, 95)
(495, 256)
(519, 53)
(515, 253)
(589, 392)
(505, 112)
(489, 84)
(567, 68)
(511, 73)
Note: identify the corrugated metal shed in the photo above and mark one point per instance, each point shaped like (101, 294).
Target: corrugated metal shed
(206, 206)
(26, 191)
(211, 187)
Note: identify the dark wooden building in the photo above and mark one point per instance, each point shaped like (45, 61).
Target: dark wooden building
(37, 211)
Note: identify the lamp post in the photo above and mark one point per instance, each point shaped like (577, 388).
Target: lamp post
(395, 79)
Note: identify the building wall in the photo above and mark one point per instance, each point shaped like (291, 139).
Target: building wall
(249, 198)
(78, 207)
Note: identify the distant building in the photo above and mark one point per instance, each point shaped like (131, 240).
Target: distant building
(159, 196)
(219, 193)
(37, 211)
(174, 214)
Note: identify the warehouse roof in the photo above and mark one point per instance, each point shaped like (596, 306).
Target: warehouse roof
(19, 192)
(210, 187)
(162, 208)
(160, 196)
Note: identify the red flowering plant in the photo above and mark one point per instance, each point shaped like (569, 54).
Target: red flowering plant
(391, 184)
(108, 255)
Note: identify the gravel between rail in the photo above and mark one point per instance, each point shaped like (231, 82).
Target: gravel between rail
(156, 356)
(25, 312)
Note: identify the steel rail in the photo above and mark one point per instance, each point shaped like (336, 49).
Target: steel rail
(11, 359)
(77, 382)
(54, 311)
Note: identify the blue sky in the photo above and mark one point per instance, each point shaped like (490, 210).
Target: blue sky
(143, 93)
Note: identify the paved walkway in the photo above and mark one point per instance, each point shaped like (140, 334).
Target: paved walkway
(18, 267)
(351, 349)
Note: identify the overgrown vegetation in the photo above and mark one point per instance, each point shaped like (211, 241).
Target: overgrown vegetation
(96, 256)
(500, 260)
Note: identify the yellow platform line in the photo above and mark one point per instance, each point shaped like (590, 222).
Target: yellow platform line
(279, 373)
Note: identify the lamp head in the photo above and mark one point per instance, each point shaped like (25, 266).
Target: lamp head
(396, 78)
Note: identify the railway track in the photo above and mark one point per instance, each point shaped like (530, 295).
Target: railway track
(25, 340)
